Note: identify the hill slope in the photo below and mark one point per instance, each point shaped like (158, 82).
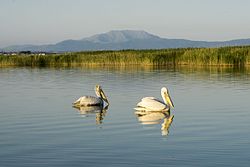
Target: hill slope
(124, 39)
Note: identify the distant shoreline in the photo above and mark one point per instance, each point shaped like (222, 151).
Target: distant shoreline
(224, 56)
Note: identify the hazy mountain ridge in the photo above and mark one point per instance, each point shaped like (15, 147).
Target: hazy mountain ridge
(116, 36)
(124, 39)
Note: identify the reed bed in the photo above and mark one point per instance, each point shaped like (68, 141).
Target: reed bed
(225, 56)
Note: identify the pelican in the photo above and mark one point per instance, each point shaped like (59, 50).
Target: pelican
(92, 101)
(148, 104)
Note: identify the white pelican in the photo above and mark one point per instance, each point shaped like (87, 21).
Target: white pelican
(92, 101)
(154, 104)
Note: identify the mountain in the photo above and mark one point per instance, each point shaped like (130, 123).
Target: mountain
(124, 39)
(120, 36)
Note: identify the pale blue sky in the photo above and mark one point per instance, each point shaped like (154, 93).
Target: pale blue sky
(51, 21)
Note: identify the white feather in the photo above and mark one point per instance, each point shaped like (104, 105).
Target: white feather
(154, 104)
(92, 101)
(88, 101)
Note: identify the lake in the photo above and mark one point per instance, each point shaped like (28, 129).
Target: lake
(39, 126)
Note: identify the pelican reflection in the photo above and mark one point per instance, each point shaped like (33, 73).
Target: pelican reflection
(99, 112)
(156, 117)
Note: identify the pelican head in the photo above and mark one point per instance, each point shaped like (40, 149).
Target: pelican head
(99, 93)
(166, 97)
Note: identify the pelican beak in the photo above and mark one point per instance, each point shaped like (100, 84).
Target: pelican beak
(169, 100)
(103, 96)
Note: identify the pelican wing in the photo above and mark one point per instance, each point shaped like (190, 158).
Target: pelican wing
(88, 101)
(151, 98)
(152, 104)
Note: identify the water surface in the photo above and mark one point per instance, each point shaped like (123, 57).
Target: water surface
(39, 127)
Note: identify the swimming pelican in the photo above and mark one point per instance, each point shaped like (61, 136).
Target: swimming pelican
(154, 104)
(92, 101)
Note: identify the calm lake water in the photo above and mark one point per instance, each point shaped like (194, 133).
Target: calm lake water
(39, 127)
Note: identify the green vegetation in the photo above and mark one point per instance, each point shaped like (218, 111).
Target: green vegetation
(236, 56)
